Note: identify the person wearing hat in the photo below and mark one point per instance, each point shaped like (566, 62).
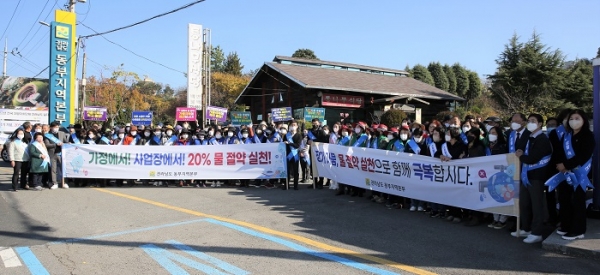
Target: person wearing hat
(202, 140)
(272, 135)
(106, 138)
(217, 139)
(169, 136)
(392, 137)
(231, 136)
(71, 129)
(157, 135)
(120, 137)
(246, 139)
(184, 138)
(131, 137)
(359, 138)
(259, 134)
(378, 140)
(144, 136)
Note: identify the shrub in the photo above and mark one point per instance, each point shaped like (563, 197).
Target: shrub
(393, 117)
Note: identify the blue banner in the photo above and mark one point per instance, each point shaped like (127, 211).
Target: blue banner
(281, 114)
(142, 118)
(310, 113)
(240, 118)
(61, 38)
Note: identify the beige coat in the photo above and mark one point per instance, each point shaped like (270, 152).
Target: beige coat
(17, 152)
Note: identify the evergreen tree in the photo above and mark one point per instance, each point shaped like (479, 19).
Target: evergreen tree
(422, 74)
(475, 86)
(451, 78)
(462, 79)
(232, 64)
(579, 86)
(305, 54)
(408, 70)
(439, 76)
(217, 60)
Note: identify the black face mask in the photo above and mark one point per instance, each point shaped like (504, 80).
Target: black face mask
(470, 139)
(315, 126)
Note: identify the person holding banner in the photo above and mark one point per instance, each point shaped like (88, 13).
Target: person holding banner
(145, 137)
(132, 136)
(534, 159)
(54, 141)
(344, 141)
(231, 136)
(292, 139)
(19, 159)
(359, 139)
(497, 146)
(417, 146)
(40, 159)
(169, 137)
(579, 145)
(453, 148)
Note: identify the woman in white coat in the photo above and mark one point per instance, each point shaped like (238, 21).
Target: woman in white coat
(19, 159)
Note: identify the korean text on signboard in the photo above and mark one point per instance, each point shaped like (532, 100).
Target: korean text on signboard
(216, 113)
(60, 64)
(349, 101)
(141, 118)
(95, 113)
(240, 118)
(195, 50)
(185, 114)
(310, 113)
(281, 114)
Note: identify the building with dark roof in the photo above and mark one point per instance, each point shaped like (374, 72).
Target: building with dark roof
(350, 91)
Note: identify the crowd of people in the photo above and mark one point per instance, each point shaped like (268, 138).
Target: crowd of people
(565, 147)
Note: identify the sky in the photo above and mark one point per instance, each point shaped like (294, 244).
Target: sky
(382, 33)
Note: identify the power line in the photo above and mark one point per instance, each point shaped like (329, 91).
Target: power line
(10, 21)
(16, 63)
(132, 52)
(146, 20)
(39, 27)
(34, 22)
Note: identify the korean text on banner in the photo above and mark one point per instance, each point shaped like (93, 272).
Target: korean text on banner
(142, 118)
(487, 184)
(185, 114)
(194, 79)
(281, 114)
(95, 113)
(11, 119)
(216, 113)
(246, 161)
(240, 118)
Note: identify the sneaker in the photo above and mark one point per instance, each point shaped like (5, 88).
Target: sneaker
(492, 225)
(562, 233)
(65, 186)
(522, 233)
(38, 188)
(571, 237)
(420, 209)
(412, 209)
(533, 239)
(500, 225)
(54, 187)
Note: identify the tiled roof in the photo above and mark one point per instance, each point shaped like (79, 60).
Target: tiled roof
(361, 82)
(282, 59)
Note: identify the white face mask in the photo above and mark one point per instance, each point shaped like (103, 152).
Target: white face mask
(91, 136)
(218, 136)
(466, 129)
(55, 130)
(258, 132)
(550, 129)
(201, 138)
(283, 131)
(20, 136)
(157, 133)
(293, 128)
(447, 125)
(454, 126)
(245, 135)
(404, 124)
(488, 127)
(436, 139)
(418, 139)
(448, 138)
(133, 133)
(390, 137)
(344, 134)
(403, 136)
(169, 133)
(575, 124)
(184, 136)
(492, 138)
(326, 132)
(532, 126)
(229, 134)
(515, 126)
(121, 136)
(357, 130)
(210, 133)
(146, 134)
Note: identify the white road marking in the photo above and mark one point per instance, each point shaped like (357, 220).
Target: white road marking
(9, 257)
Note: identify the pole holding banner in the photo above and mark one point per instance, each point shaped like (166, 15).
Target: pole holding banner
(596, 160)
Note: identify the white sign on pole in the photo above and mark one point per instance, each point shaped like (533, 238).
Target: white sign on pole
(195, 53)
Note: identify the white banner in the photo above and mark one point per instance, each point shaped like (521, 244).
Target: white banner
(488, 184)
(195, 53)
(11, 119)
(215, 162)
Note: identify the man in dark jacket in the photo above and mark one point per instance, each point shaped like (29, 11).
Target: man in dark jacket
(54, 141)
(535, 159)
(316, 134)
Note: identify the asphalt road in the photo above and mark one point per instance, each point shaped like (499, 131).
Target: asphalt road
(157, 230)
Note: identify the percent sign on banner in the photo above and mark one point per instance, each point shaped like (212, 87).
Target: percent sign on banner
(200, 158)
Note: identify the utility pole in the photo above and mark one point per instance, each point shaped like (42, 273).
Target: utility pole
(83, 84)
(72, 5)
(5, 58)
